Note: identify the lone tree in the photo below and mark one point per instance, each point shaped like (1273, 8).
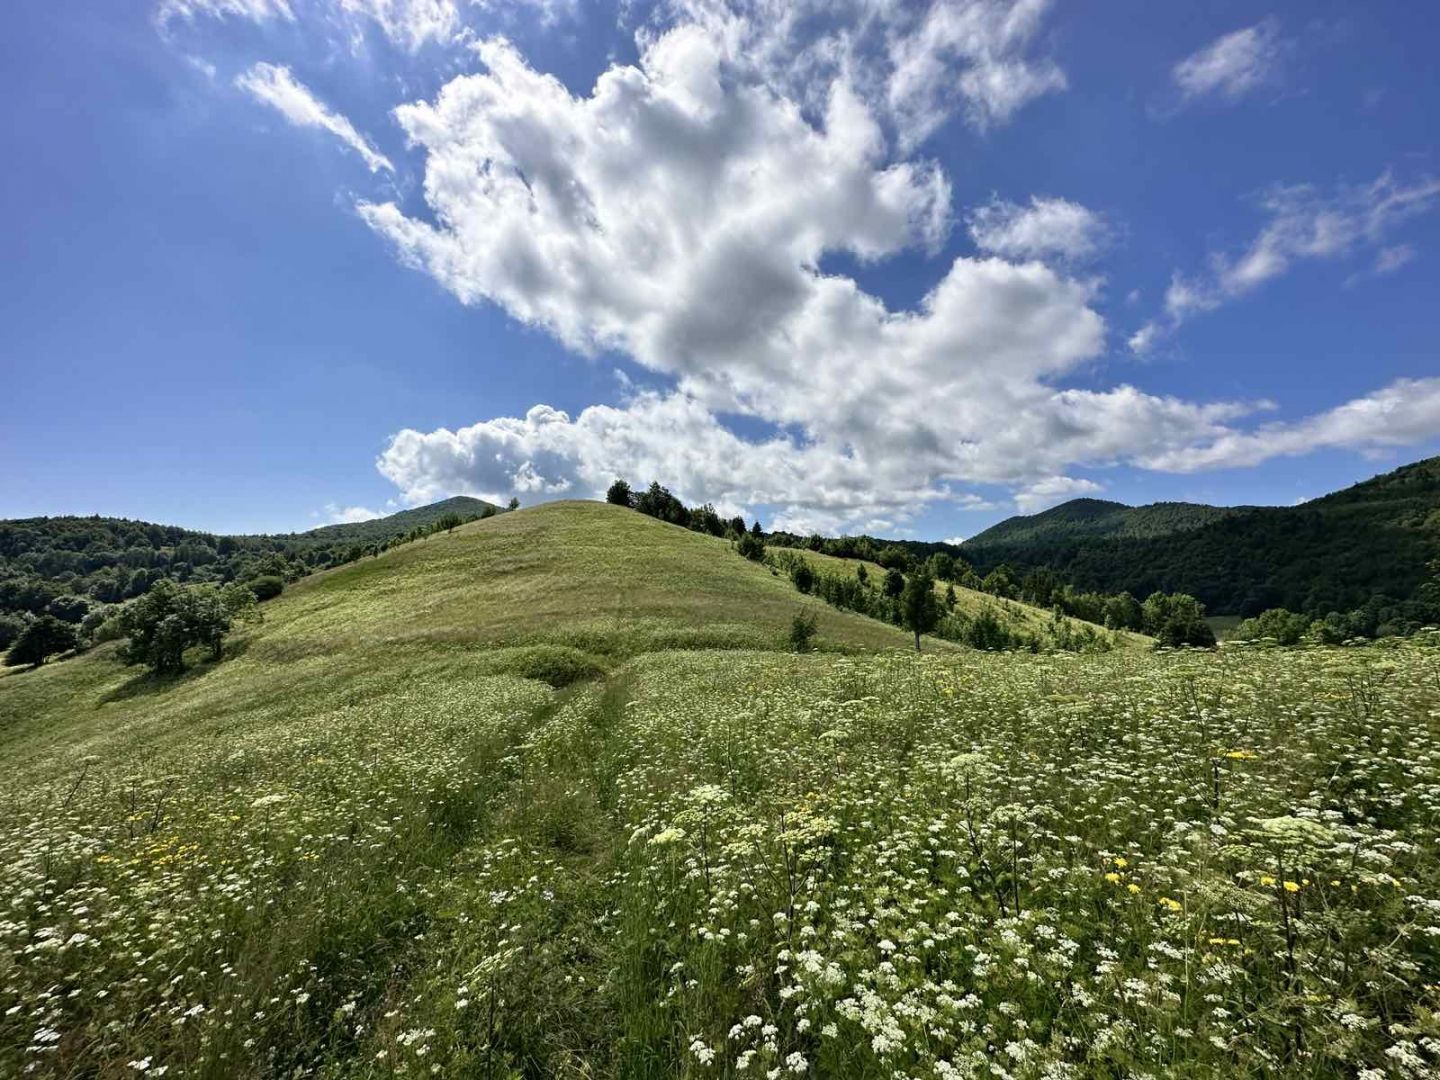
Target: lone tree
(918, 606)
(802, 631)
(41, 640)
(620, 494)
(513, 504)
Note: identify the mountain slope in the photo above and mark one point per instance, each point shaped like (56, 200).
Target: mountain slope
(398, 524)
(1098, 517)
(1335, 553)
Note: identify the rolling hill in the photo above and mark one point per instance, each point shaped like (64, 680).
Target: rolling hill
(1336, 553)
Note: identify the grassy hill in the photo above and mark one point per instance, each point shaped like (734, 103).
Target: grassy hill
(561, 591)
(1335, 553)
(398, 830)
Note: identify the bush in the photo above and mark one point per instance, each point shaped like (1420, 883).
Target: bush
(12, 625)
(557, 665)
(41, 640)
(752, 547)
(266, 587)
(802, 631)
(894, 583)
(802, 576)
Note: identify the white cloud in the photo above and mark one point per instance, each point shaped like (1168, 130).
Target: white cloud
(259, 11)
(409, 24)
(1404, 413)
(679, 216)
(1051, 491)
(1304, 224)
(275, 86)
(1046, 228)
(336, 514)
(1232, 66)
(914, 63)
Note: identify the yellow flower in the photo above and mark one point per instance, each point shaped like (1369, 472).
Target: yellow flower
(1170, 905)
(1132, 888)
(1266, 880)
(1113, 878)
(1292, 886)
(1241, 755)
(1120, 862)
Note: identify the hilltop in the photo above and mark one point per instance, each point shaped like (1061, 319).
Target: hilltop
(398, 524)
(1335, 553)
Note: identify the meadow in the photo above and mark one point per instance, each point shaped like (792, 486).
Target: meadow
(521, 844)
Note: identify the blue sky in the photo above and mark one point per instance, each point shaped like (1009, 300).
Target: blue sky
(906, 268)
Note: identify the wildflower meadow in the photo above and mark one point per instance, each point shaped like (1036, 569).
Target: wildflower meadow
(1187, 864)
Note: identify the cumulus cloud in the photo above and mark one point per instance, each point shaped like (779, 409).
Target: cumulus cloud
(274, 85)
(1233, 65)
(1051, 491)
(915, 63)
(1047, 228)
(1305, 223)
(1402, 414)
(678, 214)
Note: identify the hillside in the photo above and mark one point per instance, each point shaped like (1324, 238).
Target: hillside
(72, 567)
(1336, 553)
(1100, 518)
(1014, 615)
(564, 589)
(378, 839)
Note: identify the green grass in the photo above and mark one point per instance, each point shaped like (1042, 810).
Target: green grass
(545, 798)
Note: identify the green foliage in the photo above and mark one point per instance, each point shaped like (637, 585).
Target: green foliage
(1281, 626)
(12, 625)
(894, 583)
(620, 494)
(802, 631)
(802, 576)
(751, 547)
(266, 587)
(919, 608)
(41, 639)
(171, 618)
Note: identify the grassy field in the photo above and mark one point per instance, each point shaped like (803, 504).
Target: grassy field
(541, 798)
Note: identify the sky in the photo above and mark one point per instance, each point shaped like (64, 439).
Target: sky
(844, 265)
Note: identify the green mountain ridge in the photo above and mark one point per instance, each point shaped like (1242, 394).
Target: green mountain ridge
(1339, 552)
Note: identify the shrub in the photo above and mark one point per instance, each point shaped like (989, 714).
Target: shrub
(802, 631)
(266, 587)
(802, 576)
(751, 546)
(170, 618)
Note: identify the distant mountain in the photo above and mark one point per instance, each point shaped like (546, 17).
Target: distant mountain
(1099, 518)
(383, 528)
(1334, 553)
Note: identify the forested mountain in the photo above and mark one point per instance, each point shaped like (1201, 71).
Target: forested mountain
(1336, 553)
(1101, 518)
(74, 567)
